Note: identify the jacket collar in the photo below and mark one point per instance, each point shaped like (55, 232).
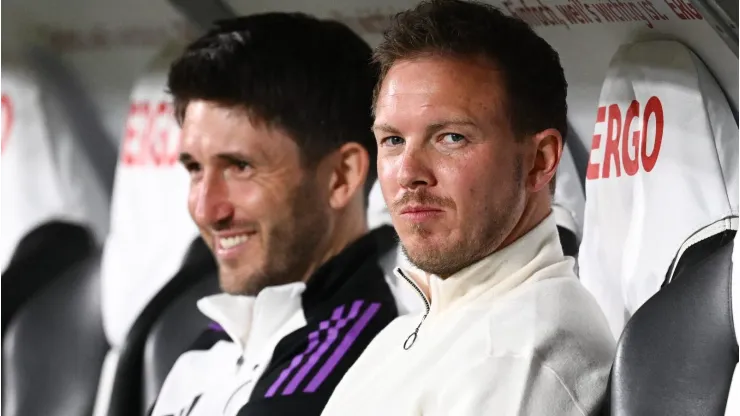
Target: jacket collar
(348, 267)
(498, 273)
(276, 304)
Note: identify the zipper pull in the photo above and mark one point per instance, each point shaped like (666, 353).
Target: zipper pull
(412, 338)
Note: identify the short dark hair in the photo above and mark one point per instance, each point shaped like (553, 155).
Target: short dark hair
(535, 84)
(311, 78)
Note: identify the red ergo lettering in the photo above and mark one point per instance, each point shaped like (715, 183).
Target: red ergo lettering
(626, 144)
(7, 121)
(152, 135)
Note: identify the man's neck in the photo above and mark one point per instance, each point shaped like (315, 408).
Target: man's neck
(342, 235)
(537, 208)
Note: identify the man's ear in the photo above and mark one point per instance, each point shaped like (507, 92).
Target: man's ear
(548, 151)
(350, 165)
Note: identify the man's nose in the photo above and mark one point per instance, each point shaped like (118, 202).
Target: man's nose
(416, 169)
(212, 205)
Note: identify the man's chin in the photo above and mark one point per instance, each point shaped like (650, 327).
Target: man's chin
(235, 283)
(418, 255)
(438, 260)
(421, 243)
(231, 289)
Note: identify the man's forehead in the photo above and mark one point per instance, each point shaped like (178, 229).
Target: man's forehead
(424, 110)
(219, 130)
(203, 136)
(438, 83)
(435, 72)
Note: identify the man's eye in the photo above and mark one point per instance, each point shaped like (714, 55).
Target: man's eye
(393, 141)
(453, 138)
(241, 165)
(192, 167)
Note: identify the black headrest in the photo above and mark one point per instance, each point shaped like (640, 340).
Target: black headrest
(42, 255)
(678, 353)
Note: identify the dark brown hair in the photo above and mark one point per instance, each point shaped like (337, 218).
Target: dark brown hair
(311, 78)
(535, 84)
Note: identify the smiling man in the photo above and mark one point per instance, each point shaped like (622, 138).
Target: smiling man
(470, 116)
(275, 112)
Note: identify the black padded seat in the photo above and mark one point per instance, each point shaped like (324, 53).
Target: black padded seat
(172, 334)
(568, 241)
(54, 347)
(678, 353)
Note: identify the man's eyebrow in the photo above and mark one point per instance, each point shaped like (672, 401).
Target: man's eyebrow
(232, 157)
(385, 128)
(433, 127)
(441, 124)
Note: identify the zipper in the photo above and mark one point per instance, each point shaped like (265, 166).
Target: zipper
(412, 338)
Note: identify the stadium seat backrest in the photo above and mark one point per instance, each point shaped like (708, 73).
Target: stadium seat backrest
(150, 229)
(377, 210)
(568, 203)
(54, 201)
(662, 174)
(54, 218)
(678, 352)
(46, 174)
(54, 347)
(733, 401)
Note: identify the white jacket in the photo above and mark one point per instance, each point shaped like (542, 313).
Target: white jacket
(514, 334)
(282, 352)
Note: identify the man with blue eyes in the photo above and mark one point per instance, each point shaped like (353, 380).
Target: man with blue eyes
(470, 118)
(275, 112)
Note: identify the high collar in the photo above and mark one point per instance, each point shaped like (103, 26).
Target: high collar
(274, 305)
(335, 274)
(497, 273)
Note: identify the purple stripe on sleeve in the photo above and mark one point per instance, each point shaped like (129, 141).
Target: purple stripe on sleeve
(332, 336)
(215, 327)
(313, 342)
(342, 349)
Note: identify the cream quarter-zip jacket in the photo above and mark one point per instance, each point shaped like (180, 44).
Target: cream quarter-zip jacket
(514, 334)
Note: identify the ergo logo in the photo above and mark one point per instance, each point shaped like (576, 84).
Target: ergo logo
(152, 135)
(627, 139)
(7, 121)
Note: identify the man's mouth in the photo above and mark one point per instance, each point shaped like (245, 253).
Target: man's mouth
(415, 209)
(230, 244)
(227, 243)
(421, 213)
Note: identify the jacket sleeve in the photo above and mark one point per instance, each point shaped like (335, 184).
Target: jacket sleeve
(509, 386)
(300, 382)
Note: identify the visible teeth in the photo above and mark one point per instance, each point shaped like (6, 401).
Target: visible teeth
(234, 241)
